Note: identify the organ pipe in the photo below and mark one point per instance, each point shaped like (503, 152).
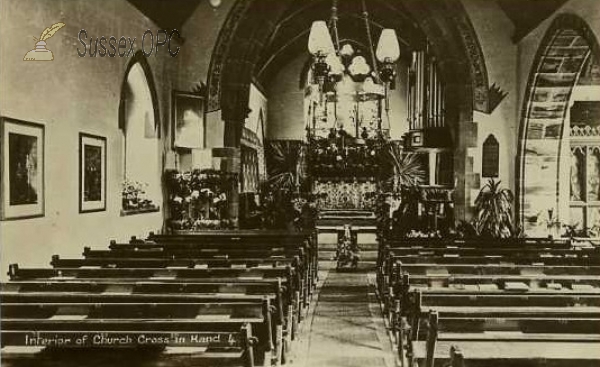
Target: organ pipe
(425, 93)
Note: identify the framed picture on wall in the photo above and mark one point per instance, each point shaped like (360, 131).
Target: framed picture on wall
(188, 120)
(92, 173)
(22, 152)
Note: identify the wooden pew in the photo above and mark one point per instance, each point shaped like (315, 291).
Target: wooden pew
(107, 281)
(212, 260)
(481, 312)
(116, 316)
(209, 284)
(235, 253)
(208, 251)
(515, 243)
(390, 273)
(169, 264)
(391, 252)
(306, 240)
(158, 259)
(474, 265)
(485, 247)
(476, 304)
(162, 267)
(490, 282)
(230, 344)
(482, 323)
(506, 335)
(424, 268)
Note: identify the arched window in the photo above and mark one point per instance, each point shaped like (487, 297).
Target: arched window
(138, 120)
(557, 134)
(490, 161)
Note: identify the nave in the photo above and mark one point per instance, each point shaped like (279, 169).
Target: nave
(263, 298)
(398, 183)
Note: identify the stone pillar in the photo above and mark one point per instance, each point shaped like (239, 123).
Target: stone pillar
(460, 119)
(230, 162)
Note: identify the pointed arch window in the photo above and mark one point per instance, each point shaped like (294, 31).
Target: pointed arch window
(490, 161)
(141, 143)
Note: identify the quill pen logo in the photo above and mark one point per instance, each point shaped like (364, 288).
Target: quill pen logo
(40, 52)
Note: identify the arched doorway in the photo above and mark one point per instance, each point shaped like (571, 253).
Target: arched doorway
(553, 171)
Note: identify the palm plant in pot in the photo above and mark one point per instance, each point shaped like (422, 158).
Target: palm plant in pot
(287, 182)
(406, 168)
(494, 211)
(406, 174)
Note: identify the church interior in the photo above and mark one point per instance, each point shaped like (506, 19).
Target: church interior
(395, 183)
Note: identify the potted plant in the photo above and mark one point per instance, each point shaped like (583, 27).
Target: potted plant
(134, 196)
(285, 191)
(407, 174)
(494, 211)
(407, 169)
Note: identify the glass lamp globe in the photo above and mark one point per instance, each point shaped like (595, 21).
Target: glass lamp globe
(347, 50)
(388, 48)
(359, 66)
(319, 39)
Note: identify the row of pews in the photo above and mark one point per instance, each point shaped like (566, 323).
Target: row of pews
(517, 302)
(214, 298)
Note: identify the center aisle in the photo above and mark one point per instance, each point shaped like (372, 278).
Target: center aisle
(346, 327)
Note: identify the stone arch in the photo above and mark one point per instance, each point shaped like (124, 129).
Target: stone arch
(250, 23)
(446, 23)
(559, 60)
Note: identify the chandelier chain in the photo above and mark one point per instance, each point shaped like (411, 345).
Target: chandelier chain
(370, 40)
(334, 19)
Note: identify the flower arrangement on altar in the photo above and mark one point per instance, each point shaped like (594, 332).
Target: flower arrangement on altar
(197, 199)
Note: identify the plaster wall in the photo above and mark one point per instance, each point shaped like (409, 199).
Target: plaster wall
(69, 95)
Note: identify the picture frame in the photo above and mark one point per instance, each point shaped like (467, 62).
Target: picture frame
(22, 156)
(92, 173)
(189, 123)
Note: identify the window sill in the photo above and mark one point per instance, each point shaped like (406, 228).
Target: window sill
(128, 212)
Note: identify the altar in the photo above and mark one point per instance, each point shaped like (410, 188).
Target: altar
(345, 195)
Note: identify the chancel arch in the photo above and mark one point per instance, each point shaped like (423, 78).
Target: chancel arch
(257, 30)
(557, 140)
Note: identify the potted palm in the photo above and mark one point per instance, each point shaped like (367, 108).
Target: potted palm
(406, 174)
(494, 211)
(287, 183)
(406, 167)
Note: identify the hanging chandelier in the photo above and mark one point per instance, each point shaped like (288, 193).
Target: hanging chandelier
(331, 61)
